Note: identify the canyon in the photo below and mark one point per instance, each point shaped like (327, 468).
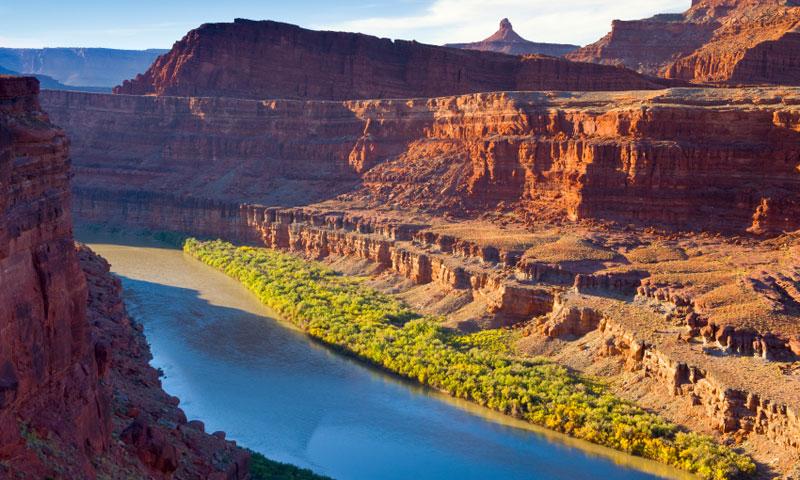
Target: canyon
(265, 59)
(77, 396)
(642, 236)
(617, 209)
(728, 42)
(506, 40)
(719, 160)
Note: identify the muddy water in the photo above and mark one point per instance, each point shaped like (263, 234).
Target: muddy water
(272, 389)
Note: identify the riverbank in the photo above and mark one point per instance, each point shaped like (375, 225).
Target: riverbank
(240, 367)
(480, 367)
(141, 406)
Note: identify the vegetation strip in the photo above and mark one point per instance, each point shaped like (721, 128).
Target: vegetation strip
(262, 468)
(481, 367)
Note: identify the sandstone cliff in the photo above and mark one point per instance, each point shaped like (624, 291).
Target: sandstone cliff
(50, 378)
(725, 160)
(57, 358)
(679, 315)
(506, 40)
(715, 41)
(259, 60)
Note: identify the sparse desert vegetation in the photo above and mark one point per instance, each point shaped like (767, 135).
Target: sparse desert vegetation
(570, 248)
(344, 313)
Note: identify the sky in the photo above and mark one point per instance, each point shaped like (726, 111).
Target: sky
(144, 24)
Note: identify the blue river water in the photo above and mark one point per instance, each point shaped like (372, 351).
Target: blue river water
(274, 390)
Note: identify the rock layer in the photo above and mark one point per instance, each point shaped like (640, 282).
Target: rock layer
(512, 290)
(260, 60)
(50, 381)
(506, 40)
(680, 157)
(56, 416)
(715, 41)
(724, 160)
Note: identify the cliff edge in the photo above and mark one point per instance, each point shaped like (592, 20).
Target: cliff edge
(78, 398)
(734, 42)
(265, 59)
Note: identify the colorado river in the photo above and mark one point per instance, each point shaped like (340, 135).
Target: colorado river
(274, 390)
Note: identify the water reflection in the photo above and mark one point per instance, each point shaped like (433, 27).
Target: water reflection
(276, 391)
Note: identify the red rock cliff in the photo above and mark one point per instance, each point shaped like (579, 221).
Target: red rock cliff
(59, 416)
(718, 159)
(715, 41)
(249, 59)
(49, 380)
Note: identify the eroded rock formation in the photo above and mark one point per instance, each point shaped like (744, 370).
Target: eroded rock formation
(259, 60)
(63, 367)
(715, 41)
(156, 439)
(49, 379)
(725, 160)
(506, 40)
(686, 310)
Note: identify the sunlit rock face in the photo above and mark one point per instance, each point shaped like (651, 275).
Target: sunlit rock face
(725, 160)
(715, 41)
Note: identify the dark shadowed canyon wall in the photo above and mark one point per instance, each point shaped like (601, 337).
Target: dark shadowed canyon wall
(78, 398)
(258, 60)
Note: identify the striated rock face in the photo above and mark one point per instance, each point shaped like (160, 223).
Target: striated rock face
(49, 377)
(400, 249)
(506, 40)
(732, 410)
(258, 60)
(724, 160)
(691, 315)
(63, 366)
(715, 41)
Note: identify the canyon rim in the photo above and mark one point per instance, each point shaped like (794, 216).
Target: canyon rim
(625, 213)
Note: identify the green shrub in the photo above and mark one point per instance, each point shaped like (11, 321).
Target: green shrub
(262, 468)
(345, 313)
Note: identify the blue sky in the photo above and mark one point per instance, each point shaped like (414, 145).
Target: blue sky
(158, 24)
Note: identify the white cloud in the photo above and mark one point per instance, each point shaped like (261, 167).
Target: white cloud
(574, 21)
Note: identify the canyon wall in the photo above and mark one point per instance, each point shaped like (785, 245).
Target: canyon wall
(723, 160)
(50, 378)
(59, 416)
(740, 42)
(604, 312)
(260, 60)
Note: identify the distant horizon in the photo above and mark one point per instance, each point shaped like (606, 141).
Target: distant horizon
(158, 25)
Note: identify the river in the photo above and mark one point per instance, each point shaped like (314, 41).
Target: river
(274, 390)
